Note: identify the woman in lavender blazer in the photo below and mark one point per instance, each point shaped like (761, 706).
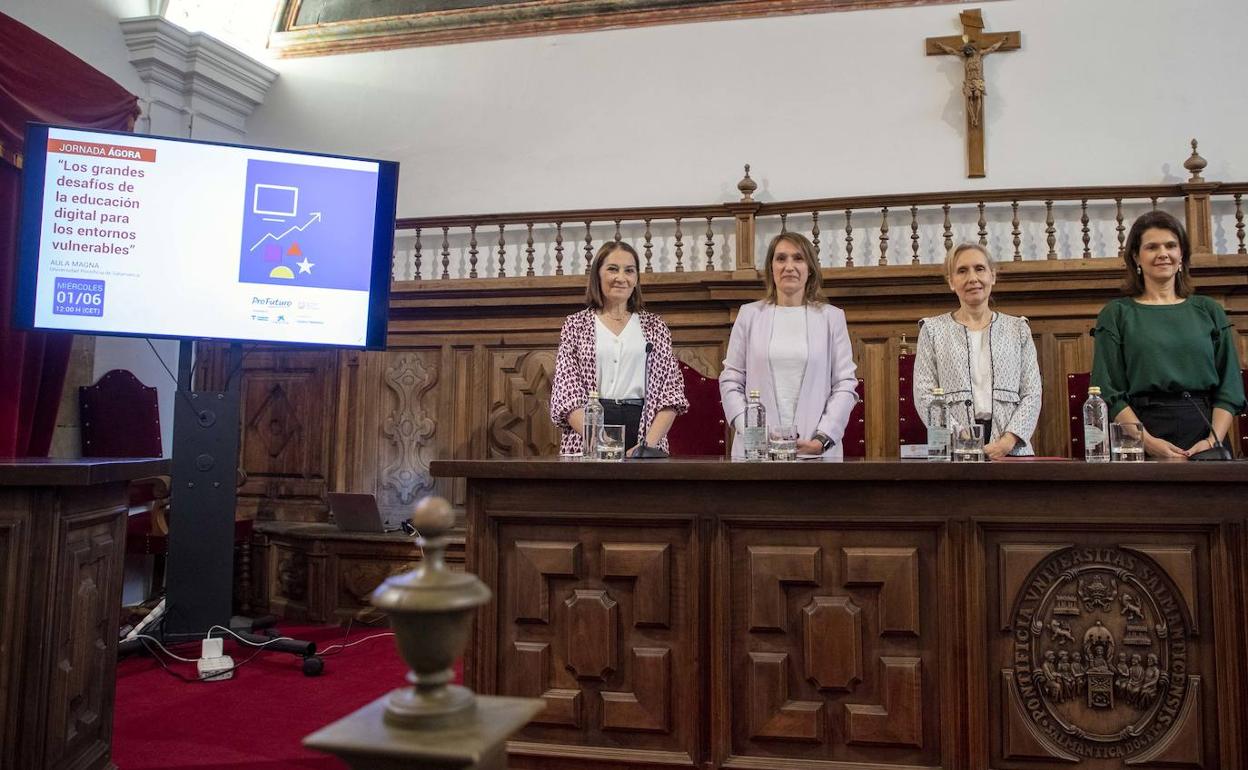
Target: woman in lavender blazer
(793, 347)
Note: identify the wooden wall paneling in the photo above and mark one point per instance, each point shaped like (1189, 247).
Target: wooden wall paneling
(412, 429)
(1230, 590)
(288, 404)
(519, 403)
(16, 572)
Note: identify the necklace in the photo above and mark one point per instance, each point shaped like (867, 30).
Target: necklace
(617, 318)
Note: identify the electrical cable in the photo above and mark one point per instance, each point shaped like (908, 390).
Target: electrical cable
(248, 641)
(166, 650)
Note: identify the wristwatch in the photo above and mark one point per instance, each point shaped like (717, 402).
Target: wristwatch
(824, 440)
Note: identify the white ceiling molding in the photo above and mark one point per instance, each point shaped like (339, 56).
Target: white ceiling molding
(196, 85)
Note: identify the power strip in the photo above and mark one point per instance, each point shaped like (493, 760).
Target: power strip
(214, 665)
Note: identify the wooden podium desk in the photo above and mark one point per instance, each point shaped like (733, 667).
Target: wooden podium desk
(820, 615)
(62, 544)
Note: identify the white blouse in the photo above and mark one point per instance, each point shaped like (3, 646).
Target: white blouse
(981, 373)
(621, 360)
(787, 354)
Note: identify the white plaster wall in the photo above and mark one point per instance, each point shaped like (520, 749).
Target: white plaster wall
(826, 104)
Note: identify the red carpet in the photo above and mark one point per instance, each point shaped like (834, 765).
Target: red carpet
(258, 718)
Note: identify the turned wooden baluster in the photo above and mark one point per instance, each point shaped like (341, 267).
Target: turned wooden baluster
(617, 230)
(558, 248)
(528, 250)
(983, 227)
(1239, 224)
(589, 248)
(416, 257)
(1018, 255)
(784, 223)
(849, 239)
(502, 253)
(884, 236)
(1049, 229)
(914, 234)
(1083, 221)
(1154, 200)
(680, 249)
(649, 246)
(446, 254)
(1121, 228)
(948, 229)
(710, 246)
(814, 232)
(472, 252)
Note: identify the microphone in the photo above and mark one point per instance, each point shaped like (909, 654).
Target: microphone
(644, 450)
(1215, 452)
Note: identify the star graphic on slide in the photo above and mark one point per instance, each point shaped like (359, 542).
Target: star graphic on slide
(305, 266)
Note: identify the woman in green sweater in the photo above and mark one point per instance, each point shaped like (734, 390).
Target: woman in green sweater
(1163, 355)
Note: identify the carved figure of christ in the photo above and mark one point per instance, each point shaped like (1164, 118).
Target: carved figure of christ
(973, 45)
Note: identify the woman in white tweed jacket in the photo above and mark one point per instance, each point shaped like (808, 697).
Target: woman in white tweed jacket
(985, 361)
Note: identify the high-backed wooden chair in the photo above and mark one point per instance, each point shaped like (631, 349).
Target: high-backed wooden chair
(854, 442)
(120, 417)
(1076, 394)
(702, 430)
(1241, 420)
(910, 427)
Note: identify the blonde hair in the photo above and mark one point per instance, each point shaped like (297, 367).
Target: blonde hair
(951, 259)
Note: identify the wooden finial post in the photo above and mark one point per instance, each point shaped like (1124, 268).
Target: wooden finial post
(747, 186)
(1195, 164)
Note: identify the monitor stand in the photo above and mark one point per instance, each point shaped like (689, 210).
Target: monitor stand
(199, 583)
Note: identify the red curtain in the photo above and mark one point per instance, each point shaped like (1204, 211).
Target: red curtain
(39, 81)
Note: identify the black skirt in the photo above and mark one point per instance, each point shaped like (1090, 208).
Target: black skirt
(1174, 418)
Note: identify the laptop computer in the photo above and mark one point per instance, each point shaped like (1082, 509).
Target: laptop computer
(355, 512)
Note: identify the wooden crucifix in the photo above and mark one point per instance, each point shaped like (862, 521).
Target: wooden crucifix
(973, 45)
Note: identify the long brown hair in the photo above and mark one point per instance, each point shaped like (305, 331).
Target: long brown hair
(1133, 286)
(814, 276)
(593, 290)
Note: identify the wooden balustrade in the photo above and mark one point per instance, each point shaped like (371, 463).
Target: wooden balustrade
(1015, 224)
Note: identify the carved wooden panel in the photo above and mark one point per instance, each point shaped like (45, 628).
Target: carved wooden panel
(83, 632)
(519, 423)
(1102, 652)
(13, 532)
(599, 622)
(833, 646)
(407, 429)
(287, 405)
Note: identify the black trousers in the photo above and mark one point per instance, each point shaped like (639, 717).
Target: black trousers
(1174, 418)
(628, 415)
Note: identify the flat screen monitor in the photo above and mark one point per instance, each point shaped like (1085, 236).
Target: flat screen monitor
(126, 234)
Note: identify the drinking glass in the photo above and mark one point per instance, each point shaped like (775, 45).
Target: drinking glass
(782, 442)
(611, 442)
(1126, 442)
(967, 443)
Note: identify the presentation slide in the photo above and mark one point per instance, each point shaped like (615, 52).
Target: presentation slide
(158, 237)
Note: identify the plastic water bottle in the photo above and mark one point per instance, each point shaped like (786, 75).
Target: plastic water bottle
(938, 427)
(1095, 428)
(592, 427)
(755, 428)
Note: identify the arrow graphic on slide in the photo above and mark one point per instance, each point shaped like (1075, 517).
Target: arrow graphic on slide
(316, 217)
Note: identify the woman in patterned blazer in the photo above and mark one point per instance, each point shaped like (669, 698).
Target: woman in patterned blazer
(985, 361)
(615, 347)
